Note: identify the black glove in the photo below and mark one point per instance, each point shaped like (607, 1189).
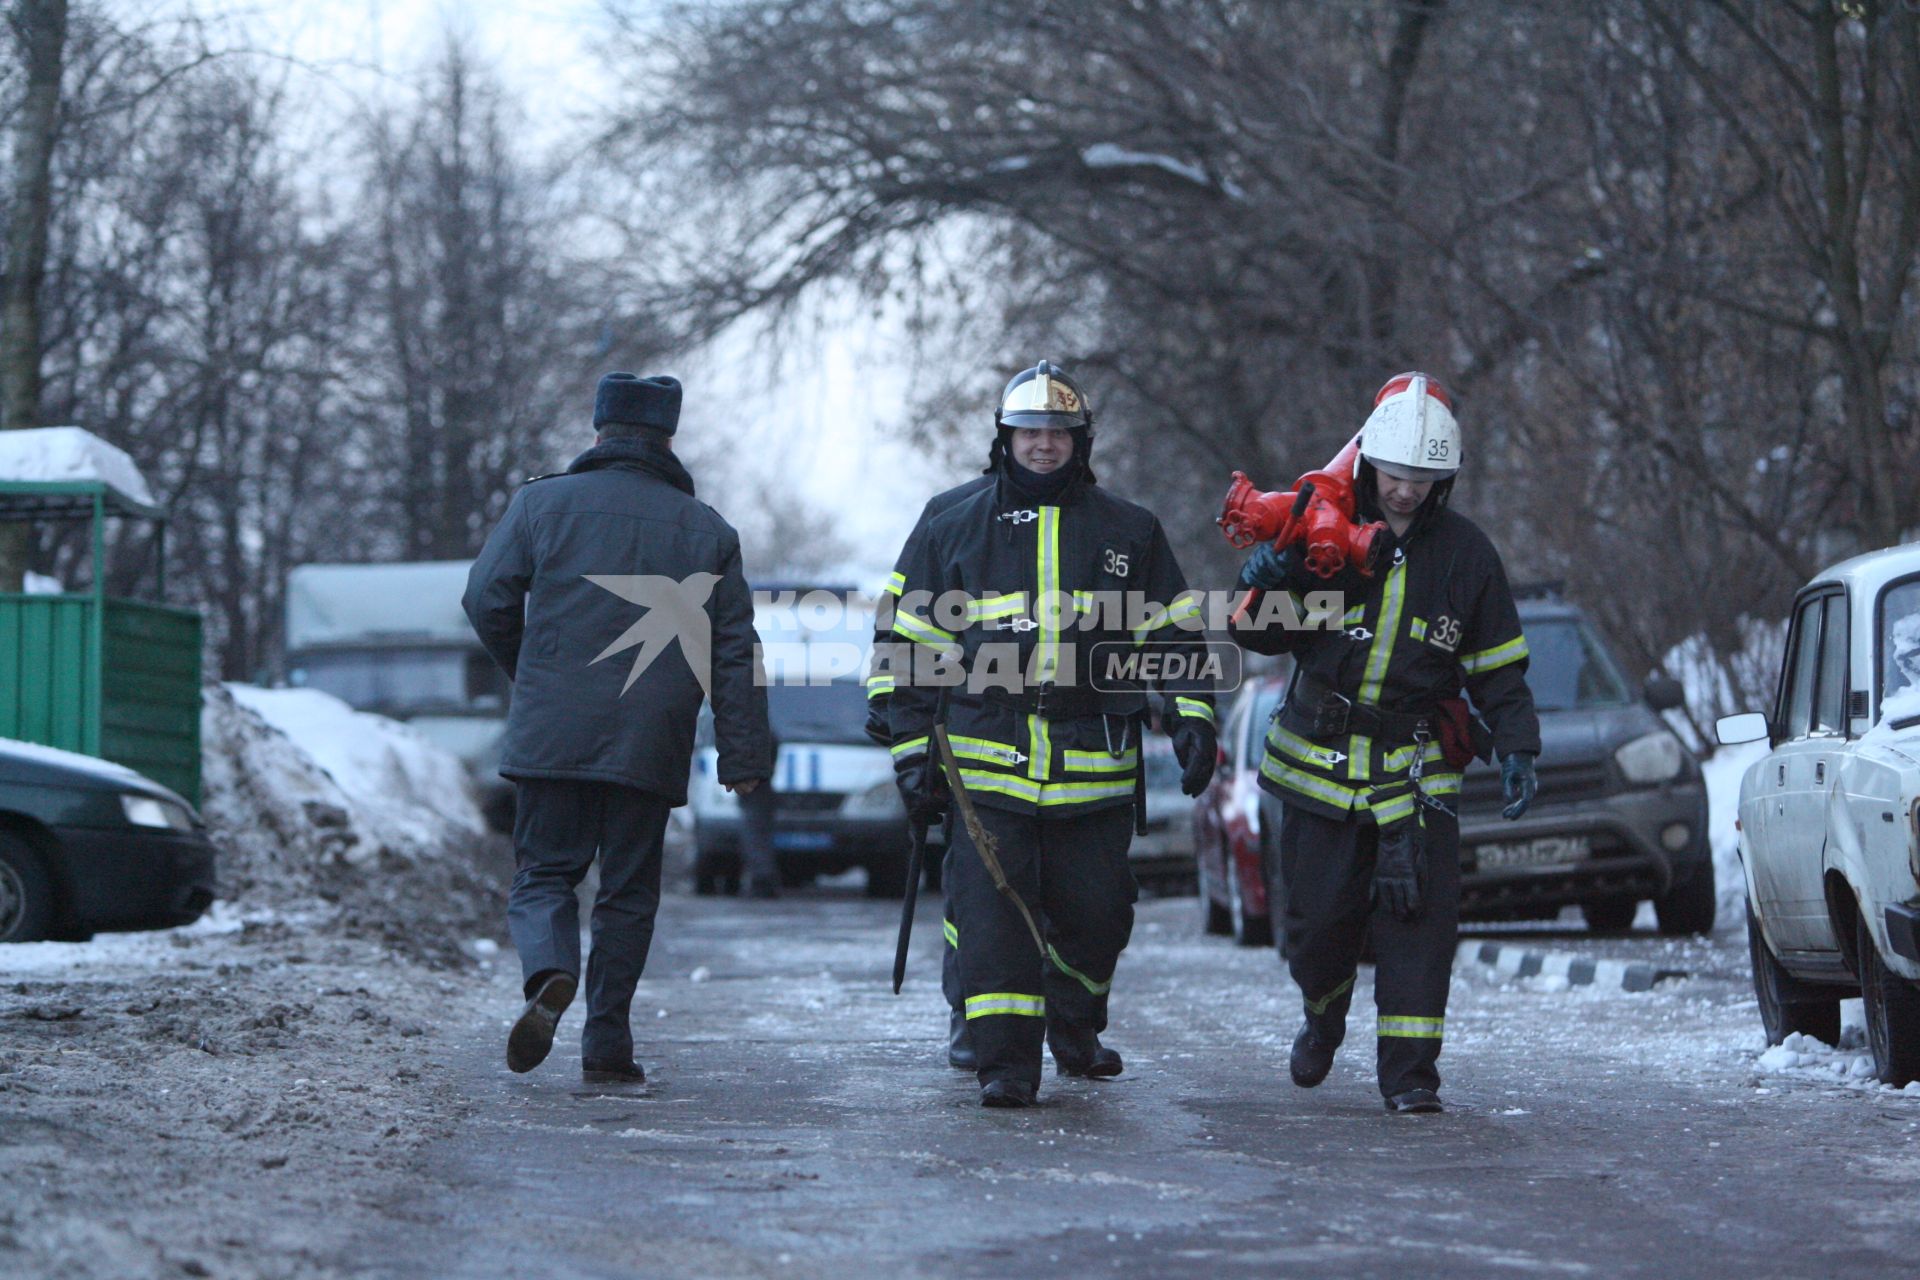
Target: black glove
(1268, 568)
(1400, 868)
(1197, 750)
(922, 787)
(1517, 783)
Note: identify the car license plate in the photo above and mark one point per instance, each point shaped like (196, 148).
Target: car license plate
(1542, 851)
(803, 840)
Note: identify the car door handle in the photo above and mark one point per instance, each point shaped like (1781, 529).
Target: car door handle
(1819, 771)
(1781, 779)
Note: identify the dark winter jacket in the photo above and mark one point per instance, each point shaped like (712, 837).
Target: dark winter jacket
(588, 595)
(1437, 617)
(1097, 557)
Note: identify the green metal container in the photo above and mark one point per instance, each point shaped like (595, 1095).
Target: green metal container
(107, 677)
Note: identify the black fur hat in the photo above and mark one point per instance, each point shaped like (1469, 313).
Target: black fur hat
(633, 401)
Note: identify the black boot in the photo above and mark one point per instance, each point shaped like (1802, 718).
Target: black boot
(960, 1054)
(1006, 1093)
(1077, 1051)
(532, 1036)
(611, 1071)
(1312, 1055)
(1415, 1102)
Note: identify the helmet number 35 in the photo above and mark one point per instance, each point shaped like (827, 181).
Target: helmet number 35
(1437, 448)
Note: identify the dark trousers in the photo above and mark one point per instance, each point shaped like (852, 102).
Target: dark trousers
(558, 827)
(1072, 873)
(757, 856)
(1326, 866)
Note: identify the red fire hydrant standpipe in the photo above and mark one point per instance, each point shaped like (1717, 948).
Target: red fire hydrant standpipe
(1318, 514)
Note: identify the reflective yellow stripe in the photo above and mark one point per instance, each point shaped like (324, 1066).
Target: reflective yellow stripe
(1040, 744)
(909, 747)
(1492, 659)
(1387, 811)
(923, 632)
(1044, 793)
(1441, 784)
(1359, 757)
(896, 584)
(1193, 707)
(1010, 1002)
(986, 749)
(1101, 762)
(1382, 651)
(1401, 758)
(1317, 1007)
(1047, 579)
(1407, 1028)
(877, 685)
(1417, 628)
(1353, 616)
(1300, 749)
(1096, 988)
(987, 608)
(952, 931)
(1307, 784)
(1186, 605)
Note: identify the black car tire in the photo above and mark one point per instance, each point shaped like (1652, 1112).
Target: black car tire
(1248, 931)
(1689, 905)
(714, 873)
(1788, 1005)
(887, 874)
(1609, 915)
(28, 906)
(1214, 918)
(1893, 1015)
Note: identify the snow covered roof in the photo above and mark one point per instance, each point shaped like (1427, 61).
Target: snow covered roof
(43, 455)
(335, 604)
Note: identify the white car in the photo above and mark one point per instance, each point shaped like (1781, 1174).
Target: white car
(1829, 819)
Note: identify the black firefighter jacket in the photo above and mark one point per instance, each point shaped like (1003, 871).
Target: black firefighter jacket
(1436, 617)
(1030, 591)
(582, 595)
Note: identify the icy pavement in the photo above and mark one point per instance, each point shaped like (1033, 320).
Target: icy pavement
(799, 1121)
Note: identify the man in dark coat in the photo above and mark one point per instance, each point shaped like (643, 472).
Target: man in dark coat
(616, 603)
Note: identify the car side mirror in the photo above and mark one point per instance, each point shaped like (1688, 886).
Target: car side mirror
(1664, 693)
(1748, 726)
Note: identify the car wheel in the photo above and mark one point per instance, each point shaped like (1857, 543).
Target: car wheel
(27, 907)
(709, 875)
(1609, 915)
(1213, 916)
(1688, 906)
(1248, 931)
(1788, 1005)
(1893, 1015)
(887, 874)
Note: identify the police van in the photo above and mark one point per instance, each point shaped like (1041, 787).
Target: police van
(835, 805)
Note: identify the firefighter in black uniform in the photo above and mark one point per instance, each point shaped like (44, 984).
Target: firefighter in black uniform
(1005, 600)
(1362, 763)
(880, 682)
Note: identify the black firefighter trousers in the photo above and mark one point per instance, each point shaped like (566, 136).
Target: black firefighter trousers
(558, 826)
(1072, 872)
(1326, 876)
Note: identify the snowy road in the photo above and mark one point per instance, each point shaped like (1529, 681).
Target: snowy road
(799, 1121)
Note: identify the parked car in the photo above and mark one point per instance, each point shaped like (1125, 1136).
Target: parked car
(1621, 814)
(1829, 818)
(88, 846)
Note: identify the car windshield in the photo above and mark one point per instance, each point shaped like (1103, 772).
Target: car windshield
(1568, 668)
(1899, 656)
(402, 681)
(834, 712)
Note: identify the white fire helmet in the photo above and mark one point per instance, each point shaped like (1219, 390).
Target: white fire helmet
(1043, 396)
(1411, 434)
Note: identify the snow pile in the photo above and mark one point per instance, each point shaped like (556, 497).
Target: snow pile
(67, 453)
(1799, 1055)
(402, 791)
(319, 808)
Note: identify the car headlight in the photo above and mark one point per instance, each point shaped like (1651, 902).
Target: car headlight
(880, 800)
(151, 811)
(1650, 758)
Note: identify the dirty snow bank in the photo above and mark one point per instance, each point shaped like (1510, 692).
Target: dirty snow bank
(320, 808)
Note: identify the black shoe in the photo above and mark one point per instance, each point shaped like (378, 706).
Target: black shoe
(1006, 1093)
(532, 1036)
(1415, 1102)
(1312, 1057)
(1077, 1051)
(611, 1071)
(960, 1054)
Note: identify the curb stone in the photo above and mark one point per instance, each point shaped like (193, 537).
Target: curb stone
(1579, 971)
